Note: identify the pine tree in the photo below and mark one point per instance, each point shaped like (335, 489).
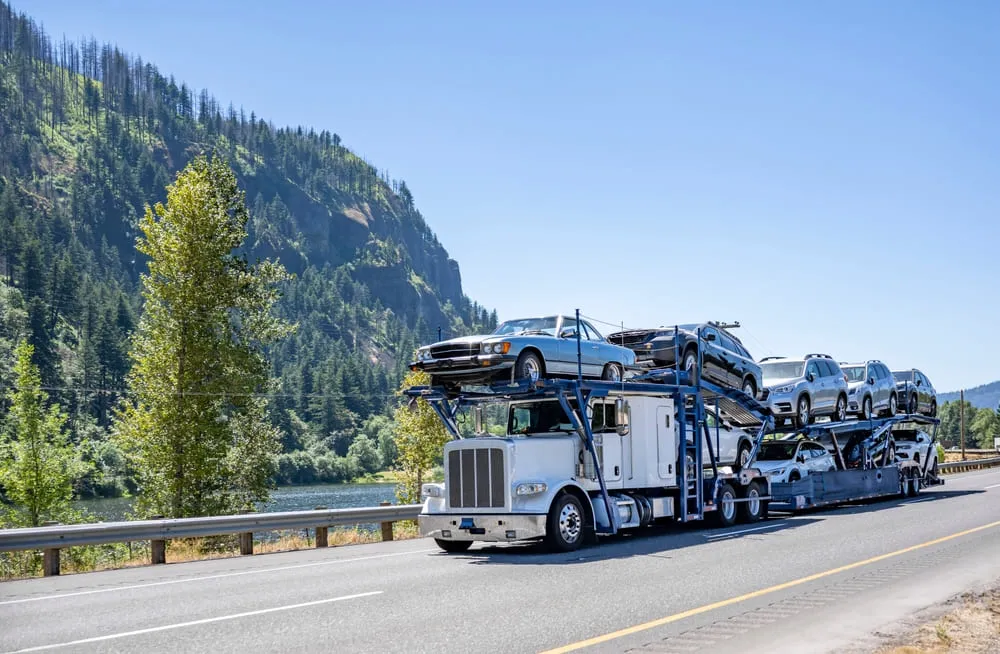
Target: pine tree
(197, 433)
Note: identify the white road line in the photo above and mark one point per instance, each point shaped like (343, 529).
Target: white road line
(193, 623)
(745, 531)
(208, 577)
(993, 486)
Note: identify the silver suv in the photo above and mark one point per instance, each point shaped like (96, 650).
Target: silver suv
(804, 388)
(871, 389)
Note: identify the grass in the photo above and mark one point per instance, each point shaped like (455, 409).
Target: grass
(74, 560)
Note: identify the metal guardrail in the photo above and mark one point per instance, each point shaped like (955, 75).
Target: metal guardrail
(971, 464)
(51, 539)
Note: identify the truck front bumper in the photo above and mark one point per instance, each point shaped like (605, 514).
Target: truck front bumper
(496, 527)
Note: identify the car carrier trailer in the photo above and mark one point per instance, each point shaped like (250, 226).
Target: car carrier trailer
(580, 458)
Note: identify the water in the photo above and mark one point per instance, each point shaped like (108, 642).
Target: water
(287, 498)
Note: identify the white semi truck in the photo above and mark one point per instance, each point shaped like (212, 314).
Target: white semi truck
(563, 475)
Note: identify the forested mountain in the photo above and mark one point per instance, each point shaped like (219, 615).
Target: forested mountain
(986, 396)
(89, 135)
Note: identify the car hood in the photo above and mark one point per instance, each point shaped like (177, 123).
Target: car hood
(461, 340)
(774, 383)
(853, 386)
(768, 466)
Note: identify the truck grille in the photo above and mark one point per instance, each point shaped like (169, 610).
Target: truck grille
(459, 350)
(476, 478)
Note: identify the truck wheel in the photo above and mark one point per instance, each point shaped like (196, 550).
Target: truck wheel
(754, 508)
(725, 513)
(453, 546)
(565, 525)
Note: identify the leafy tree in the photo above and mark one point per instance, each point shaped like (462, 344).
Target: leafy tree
(984, 428)
(420, 440)
(38, 465)
(197, 432)
(364, 451)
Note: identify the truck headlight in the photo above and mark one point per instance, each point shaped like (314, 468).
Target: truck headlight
(532, 488)
(432, 490)
(423, 354)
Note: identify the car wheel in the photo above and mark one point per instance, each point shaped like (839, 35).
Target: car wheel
(893, 406)
(912, 406)
(725, 512)
(866, 408)
(612, 373)
(890, 457)
(802, 412)
(794, 476)
(840, 412)
(743, 455)
(564, 530)
(754, 508)
(934, 470)
(749, 388)
(529, 366)
(453, 546)
(690, 364)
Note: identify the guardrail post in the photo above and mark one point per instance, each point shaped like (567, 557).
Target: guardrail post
(246, 541)
(321, 532)
(50, 556)
(157, 548)
(386, 526)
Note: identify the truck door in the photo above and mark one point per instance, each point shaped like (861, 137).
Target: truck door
(666, 447)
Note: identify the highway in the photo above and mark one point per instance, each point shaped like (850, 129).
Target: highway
(814, 582)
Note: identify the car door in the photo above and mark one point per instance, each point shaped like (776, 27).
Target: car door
(566, 342)
(724, 440)
(924, 392)
(713, 365)
(817, 386)
(819, 460)
(729, 357)
(601, 352)
(873, 379)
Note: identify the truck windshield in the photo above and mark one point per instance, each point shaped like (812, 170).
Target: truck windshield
(544, 325)
(781, 370)
(776, 451)
(854, 373)
(538, 418)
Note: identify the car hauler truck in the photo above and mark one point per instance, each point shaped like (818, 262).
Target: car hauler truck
(577, 458)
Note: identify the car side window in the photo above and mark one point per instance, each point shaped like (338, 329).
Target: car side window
(727, 343)
(825, 369)
(813, 369)
(594, 335)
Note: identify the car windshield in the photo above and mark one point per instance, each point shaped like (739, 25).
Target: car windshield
(776, 451)
(538, 418)
(854, 373)
(905, 375)
(905, 434)
(782, 369)
(543, 325)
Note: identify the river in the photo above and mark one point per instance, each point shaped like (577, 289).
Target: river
(285, 498)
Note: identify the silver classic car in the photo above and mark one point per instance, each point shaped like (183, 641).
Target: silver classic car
(527, 348)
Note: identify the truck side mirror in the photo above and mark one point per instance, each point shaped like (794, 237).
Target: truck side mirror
(622, 416)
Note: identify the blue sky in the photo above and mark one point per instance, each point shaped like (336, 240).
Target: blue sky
(826, 173)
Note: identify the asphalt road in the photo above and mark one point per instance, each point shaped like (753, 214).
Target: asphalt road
(812, 582)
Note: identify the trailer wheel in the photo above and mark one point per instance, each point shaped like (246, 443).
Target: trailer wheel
(564, 529)
(754, 508)
(453, 546)
(725, 512)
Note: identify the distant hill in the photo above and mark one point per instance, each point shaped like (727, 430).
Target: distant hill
(986, 396)
(90, 135)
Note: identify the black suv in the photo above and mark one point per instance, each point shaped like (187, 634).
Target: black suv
(915, 392)
(725, 361)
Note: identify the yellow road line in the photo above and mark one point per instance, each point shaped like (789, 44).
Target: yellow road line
(628, 631)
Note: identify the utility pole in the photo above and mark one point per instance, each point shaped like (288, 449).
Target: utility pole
(961, 418)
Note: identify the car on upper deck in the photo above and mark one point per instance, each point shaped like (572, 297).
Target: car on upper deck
(915, 391)
(526, 348)
(725, 360)
(804, 388)
(871, 389)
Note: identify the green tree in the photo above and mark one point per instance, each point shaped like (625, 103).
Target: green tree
(38, 464)
(197, 433)
(984, 428)
(420, 439)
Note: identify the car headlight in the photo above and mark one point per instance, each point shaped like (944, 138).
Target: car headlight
(423, 354)
(432, 490)
(532, 488)
(496, 348)
(777, 472)
(782, 389)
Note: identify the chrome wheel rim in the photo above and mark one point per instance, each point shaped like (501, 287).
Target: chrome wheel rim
(748, 389)
(728, 506)
(753, 501)
(892, 405)
(613, 373)
(744, 457)
(803, 411)
(531, 367)
(570, 523)
(841, 410)
(866, 408)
